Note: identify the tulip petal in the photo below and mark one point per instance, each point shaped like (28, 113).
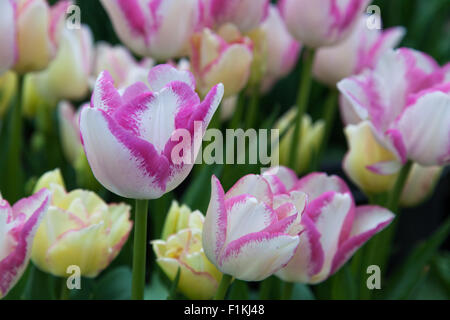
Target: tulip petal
(256, 256)
(134, 168)
(246, 215)
(8, 54)
(281, 179)
(330, 213)
(254, 185)
(425, 129)
(12, 266)
(368, 221)
(163, 74)
(317, 183)
(105, 95)
(215, 226)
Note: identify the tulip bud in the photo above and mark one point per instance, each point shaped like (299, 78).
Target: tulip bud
(321, 23)
(70, 131)
(361, 50)
(18, 225)
(309, 140)
(181, 248)
(38, 29)
(224, 57)
(248, 233)
(157, 29)
(79, 229)
(8, 29)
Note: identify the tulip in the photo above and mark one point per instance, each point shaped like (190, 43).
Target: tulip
(224, 57)
(121, 64)
(282, 49)
(38, 29)
(67, 76)
(333, 227)
(8, 54)
(181, 248)
(129, 139)
(396, 98)
(158, 29)
(361, 50)
(79, 229)
(18, 225)
(308, 140)
(245, 14)
(248, 233)
(321, 23)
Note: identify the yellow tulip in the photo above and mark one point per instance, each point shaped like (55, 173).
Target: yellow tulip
(181, 248)
(80, 229)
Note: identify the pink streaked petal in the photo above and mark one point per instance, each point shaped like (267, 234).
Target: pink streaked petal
(254, 185)
(133, 91)
(385, 168)
(30, 205)
(57, 16)
(246, 215)
(163, 74)
(369, 220)
(332, 214)
(317, 183)
(256, 256)
(105, 96)
(281, 179)
(425, 128)
(215, 225)
(133, 169)
(308, 258)
(12, 267)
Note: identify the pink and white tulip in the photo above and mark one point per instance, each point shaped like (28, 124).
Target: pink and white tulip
(225, 56)
(321, 23)
(250, 233)
(129, 138)
(407, 102)
(282, 49)
(155, 28)
(18, 226)
(245, 14)
(333, 228)
(361, 50)
(36, 29)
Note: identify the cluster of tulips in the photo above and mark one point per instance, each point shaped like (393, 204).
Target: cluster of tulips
(208, 62)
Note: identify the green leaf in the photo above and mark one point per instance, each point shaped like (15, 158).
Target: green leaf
(406, 277)
(41, 285)
(115, 285)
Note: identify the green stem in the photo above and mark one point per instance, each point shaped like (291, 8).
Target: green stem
(14, 172)
(65, 293)
(396, 192)
(329, 115)
(223, 287)
(302, 102)
(252, 116)
(139, 250)
(288, 288)
(238, 112)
